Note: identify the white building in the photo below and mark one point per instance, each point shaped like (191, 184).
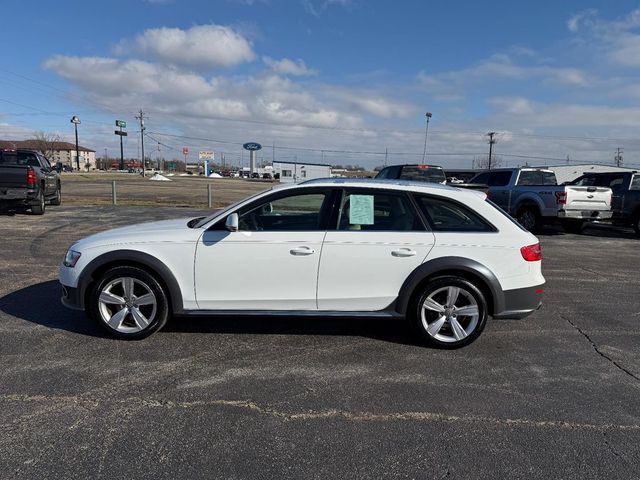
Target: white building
(292, 172)
(55, 151)
(567, 173)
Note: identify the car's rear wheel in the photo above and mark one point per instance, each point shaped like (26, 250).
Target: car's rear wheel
(129, 303)
(57, 200)
(529, 218)
(450, 312)
(38, 207)
(636, 223)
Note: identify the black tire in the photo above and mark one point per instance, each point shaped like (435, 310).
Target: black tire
(636, 223)
(38, 208)
(129, 328)
(573, 226)
(446, 336)
(529, 218)
(57, 200)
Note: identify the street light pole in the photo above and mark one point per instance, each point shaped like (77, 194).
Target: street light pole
(426, 135)
(75, 120)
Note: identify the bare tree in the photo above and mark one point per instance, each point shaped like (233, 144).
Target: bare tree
(46, 142)
(482, 162)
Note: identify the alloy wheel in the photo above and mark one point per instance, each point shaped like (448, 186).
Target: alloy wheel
(450, 314)
(127, 305)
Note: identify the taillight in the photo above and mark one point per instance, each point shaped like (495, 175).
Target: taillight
(561, 198)
(32, 180)
(531, 253)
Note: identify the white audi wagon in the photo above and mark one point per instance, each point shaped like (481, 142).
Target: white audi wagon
(444, 258)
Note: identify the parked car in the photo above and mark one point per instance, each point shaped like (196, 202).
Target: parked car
(424, 173)
(392, 249)
(625, 202)
(421, 173)
(533, 197)
(267, 176)
(255, 175)
(27, 180)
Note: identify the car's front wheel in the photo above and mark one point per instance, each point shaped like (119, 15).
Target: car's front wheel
(450, 312)
(129, 303)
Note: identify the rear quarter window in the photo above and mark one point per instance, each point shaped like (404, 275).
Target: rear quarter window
(445, 215)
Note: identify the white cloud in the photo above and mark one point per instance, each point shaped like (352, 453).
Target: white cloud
(513, 105)
(200, 47)
(286, 66)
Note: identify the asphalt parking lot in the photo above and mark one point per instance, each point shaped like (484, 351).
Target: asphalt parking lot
(553, 396)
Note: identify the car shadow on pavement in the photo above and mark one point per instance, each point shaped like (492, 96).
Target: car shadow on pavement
(393, 330)
(40, 304)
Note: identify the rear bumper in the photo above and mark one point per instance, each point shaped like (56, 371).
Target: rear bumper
(585, 214)
(18, 195)
(521, 302)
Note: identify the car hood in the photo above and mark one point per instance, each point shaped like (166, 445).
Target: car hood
(175, 230)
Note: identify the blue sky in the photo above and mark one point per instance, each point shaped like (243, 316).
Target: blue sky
(326, 76)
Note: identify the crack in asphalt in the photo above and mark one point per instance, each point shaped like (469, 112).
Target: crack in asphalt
(321, 414)
(599, 352)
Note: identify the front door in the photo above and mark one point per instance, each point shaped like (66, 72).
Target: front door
(271, 262)
(380, 240)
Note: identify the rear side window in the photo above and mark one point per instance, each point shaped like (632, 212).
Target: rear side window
(536, 177)
(378, 211)
(423, 173)
(445, 215)
(635, 183)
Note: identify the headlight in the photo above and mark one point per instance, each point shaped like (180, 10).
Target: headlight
(71, 258)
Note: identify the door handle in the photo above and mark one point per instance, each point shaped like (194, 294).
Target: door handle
(403, 252)
(302, 251)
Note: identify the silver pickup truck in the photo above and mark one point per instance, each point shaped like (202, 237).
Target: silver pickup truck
(533, 197)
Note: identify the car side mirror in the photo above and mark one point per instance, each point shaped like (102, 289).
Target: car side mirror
(232, 222)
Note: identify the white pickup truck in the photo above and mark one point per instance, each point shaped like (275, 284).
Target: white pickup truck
(533, 197)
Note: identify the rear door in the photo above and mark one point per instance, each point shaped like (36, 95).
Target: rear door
(377, 240)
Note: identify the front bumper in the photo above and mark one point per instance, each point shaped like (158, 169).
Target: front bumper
(585, 214)
(71, 298)
(521, 302)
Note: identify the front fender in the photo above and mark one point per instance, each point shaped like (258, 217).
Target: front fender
(131, 257)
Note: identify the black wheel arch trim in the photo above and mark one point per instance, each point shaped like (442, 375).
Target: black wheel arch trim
(132, 258)
(447, 264)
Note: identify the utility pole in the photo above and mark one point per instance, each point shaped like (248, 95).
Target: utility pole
(492, 140)
(426, 135)
(106, 158)
(140, 117)
(618, 157)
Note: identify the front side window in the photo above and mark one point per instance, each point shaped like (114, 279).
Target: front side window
(300, 212)
(446, 215)
(378, 211)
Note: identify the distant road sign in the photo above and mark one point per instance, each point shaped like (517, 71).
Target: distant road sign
(121, 124)
(185, 151)
(252, 146)
(205, 155)
(122, 134)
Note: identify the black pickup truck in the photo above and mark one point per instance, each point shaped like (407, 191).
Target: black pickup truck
(625, 199)
(28, 181)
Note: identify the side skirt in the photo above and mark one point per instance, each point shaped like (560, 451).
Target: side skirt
(288, 313)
